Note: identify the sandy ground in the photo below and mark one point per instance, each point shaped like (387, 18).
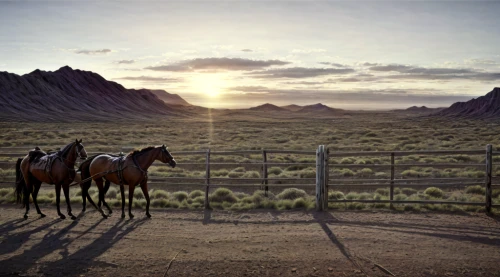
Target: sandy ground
(257, 243)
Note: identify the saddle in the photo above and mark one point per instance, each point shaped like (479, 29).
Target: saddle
(35, 154)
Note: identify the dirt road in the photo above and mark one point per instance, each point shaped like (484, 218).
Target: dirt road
(257, 243)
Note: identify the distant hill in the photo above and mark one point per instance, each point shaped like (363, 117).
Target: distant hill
(268, 107)
(320, 108)
(67, 94)
(419, 110)
(292, 107)
(170, 98)
(483, 107)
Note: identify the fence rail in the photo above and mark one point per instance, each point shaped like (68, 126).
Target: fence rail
(322, 181)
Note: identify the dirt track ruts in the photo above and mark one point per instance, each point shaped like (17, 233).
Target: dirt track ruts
(256, 243)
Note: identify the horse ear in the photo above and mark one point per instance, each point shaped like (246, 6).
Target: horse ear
(163, 146)
(80, 140)
(76, 140)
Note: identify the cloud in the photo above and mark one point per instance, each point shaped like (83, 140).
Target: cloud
(298, 72)
(483, 62)
(125, 62)
(359, 98)
(217, 64)
(308, 51)
(334, 64)
(93, 52)
(421, 73)
(150, 79)
(419, 70)
(249, 89)
(369, 64)
(247, 50)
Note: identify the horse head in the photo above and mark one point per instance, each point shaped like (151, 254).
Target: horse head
(80, 150)
(166, 157)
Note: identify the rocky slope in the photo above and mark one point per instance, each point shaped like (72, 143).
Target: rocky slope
(67, 94)
(483, 107)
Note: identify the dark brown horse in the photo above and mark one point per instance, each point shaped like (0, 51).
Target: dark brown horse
(57, 168)
(129, 170)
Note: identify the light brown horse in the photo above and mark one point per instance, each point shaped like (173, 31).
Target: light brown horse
(57, 168)
(129, 170)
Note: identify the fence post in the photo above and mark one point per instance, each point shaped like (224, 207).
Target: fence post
(207, 179)
(264, 171)
(489, 150)
(320, 170)
(326, 176)
(392, 181)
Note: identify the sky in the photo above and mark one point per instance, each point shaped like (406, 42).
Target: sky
(236, 54)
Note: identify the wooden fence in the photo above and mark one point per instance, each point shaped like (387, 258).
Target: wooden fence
(323, 183)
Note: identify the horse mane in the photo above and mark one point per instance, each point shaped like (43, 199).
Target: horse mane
(135, 152)
(63, 151)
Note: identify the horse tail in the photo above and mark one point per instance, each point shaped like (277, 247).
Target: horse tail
(21, 189)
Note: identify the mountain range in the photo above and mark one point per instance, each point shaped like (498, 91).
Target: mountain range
(67, 94)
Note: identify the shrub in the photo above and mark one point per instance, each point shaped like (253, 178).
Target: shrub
(365, 172)
(251, 174)
(274, 170)
(292, 194)
(352, 196)
(235, 174)
(284, 204)
(238, 169)
(196, 193)
(300, 203)
(219, 173)
(347, 172)
(138, 194)
(160, 194)
(112, 193)
(180, 195)
(336, 195)
(365, 195)
(159, 203)
(434, 192)
(400, 197)
(307, 173)
(222, 195)
(347, 161)
(5, 191)
(382, 191)
(476, 190)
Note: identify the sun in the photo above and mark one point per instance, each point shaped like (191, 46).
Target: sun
(208, 84)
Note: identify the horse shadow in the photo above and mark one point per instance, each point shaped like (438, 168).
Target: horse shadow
(77, 263)
(12, 242)
(52, 241)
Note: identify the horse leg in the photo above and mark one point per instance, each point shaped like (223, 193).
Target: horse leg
(144, 188)
(68, 203)
(106, 188)
(122, 192)
(101, 196)
(58, 198)
(85, 195)
(130, 199)
(27, 191)
(84, 198)
(37, 186)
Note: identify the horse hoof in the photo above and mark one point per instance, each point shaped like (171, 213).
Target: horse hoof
(42, 215)
(73, 217)
(148, 215)
(62, 216)
(25, 216)
(104, 216)
(131, 216)
(83, 210)
(123, 215)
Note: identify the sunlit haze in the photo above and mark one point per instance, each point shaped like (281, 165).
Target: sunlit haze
(237, 54)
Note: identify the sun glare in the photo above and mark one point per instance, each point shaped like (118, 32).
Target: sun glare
(208, 84)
